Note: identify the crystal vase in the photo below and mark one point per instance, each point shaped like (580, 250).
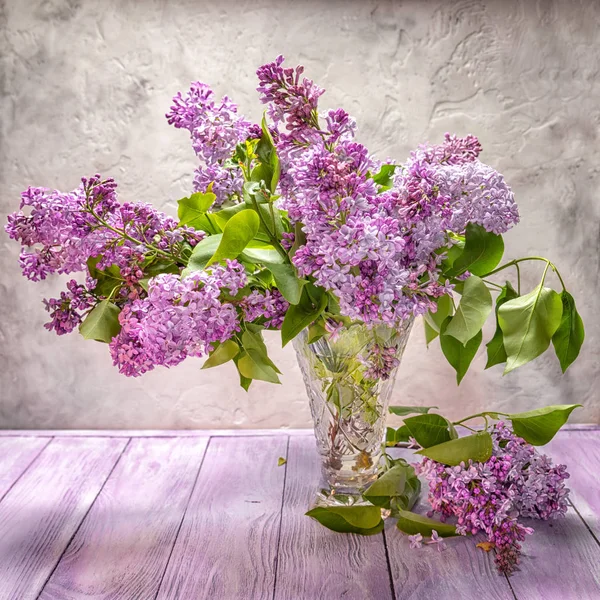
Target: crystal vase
(349, 375)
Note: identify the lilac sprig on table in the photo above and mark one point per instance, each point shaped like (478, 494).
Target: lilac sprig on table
(325, 235)
(481, 483)
(490, 497)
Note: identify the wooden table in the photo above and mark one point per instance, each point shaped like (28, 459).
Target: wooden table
(190, 515)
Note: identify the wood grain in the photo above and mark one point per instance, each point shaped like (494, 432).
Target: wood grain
(42, 511)
(580, 451)
(460, 571)
(314, 562)
(16, 454)
(560, 561)
(121, 550)
(228, 541)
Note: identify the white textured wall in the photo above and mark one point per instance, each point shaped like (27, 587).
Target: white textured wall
(84, 87)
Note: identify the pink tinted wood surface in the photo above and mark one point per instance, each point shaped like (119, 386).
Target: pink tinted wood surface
(460, 571)
(228, 541)
(315, 562)
(16, 454)
(580, 451)
(122, 548)
(42, 511)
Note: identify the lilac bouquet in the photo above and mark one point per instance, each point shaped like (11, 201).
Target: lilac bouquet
(294, 226)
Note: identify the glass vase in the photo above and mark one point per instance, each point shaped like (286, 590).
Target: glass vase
(349, 375)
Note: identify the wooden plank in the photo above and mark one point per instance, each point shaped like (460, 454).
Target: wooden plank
(228, 541)
(16, 454)
(154, 433)
(43, 509)
(560, 560)
(580, 451)
(122, 548)
(460, 571)
(315, 562)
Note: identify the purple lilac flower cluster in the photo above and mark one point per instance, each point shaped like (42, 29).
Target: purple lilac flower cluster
(180, 317)
(490, 497)
(268, 307)
(60, 232)
(375, 251)
(215, 128)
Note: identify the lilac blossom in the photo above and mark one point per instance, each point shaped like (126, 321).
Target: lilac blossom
(67, 311)
(269, 307)
(180, 317)
(490, 497)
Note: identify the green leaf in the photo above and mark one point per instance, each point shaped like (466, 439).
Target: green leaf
(460, 357)
(202, 254)
(482, 252)
(238, 233)
(402, 411)
(395, 436)
(261, 255)
(390, 484)
(528, 324)
(316, 330)
(384, 177)
(301, 315)
(364, 520)
(474, 308)
(412, 523)
(570, 334)
(287, 280)
(434, 320)
(106, 280)
(281, 461)
(254, 340)
(223, 353)
(430, 333)
(267, 154)
(245, 382)
(539, 426)
(476, 447)
(102, 323)
(252, 364)
(409, 497)
(495, 347)
(430, 429)
(192, 211)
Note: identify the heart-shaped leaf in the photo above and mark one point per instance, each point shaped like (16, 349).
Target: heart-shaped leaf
(202, 253)
(391, 483)
(570, 334)
(528, 324)
(539, 426)
(192, 211)
(476, 447)
(412, 523)
(287, 280)
(238, 233)
(472, 312)
(482, 252)
(252, 364)
(430, 429)
(102, 323)
(460, 357)
(301, 315)
(223, 353)
(364, 520)
(495, 347)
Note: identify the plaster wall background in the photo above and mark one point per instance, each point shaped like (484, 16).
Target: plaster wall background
(84, 86)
